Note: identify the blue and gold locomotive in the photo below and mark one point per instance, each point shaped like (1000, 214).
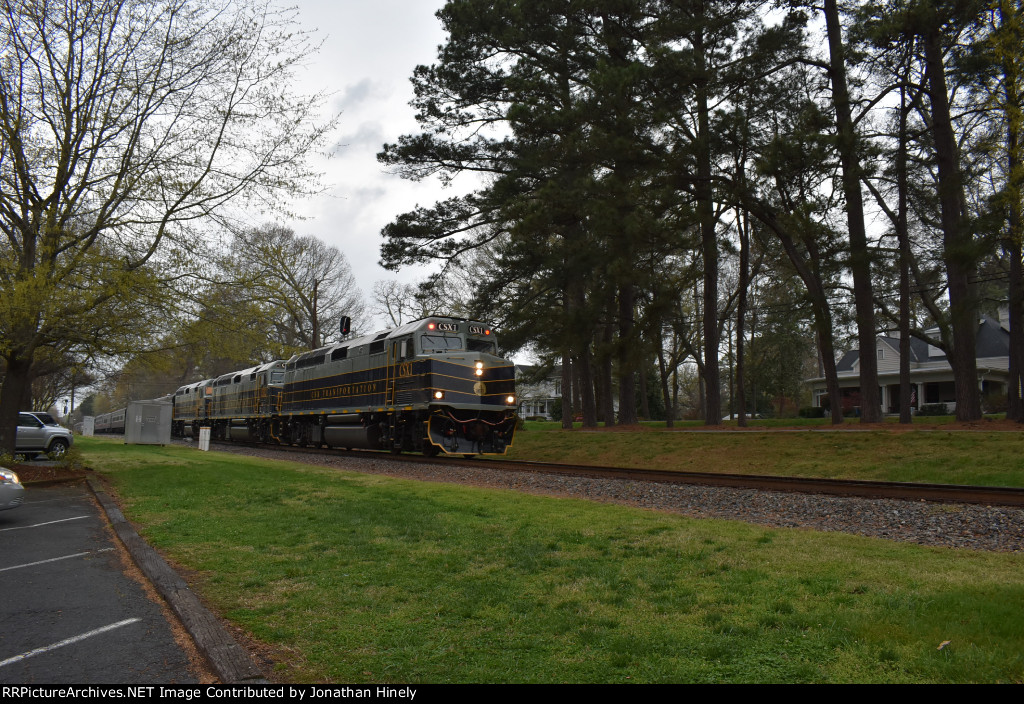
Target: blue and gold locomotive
(433, 385)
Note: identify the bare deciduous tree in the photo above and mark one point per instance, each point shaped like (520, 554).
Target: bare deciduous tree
(398, 303)
(123, 124)
(307, 284)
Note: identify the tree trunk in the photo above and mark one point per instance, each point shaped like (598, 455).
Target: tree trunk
(904, 259)
(13, 393)
(860, 258)
(670, 408)
(567, 407)
(627, 354)
(708, 239)
(741, 315)
(605, 402)
(1009, 17)
(645, 403)
(822, 316)
(586, 388)
(1015, 301)
(959, 253)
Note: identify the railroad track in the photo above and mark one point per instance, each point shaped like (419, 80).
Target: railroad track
(907, 491)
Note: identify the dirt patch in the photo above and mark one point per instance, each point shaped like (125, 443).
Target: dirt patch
(33, 473)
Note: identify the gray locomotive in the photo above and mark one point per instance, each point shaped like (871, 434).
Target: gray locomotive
(433, 385)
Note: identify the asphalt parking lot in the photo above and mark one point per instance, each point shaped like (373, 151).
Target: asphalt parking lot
(69, 611)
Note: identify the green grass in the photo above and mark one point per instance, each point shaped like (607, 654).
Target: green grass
(932, 456)
(766, 423)
(359, 578)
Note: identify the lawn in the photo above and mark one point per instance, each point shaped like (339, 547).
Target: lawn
(887, 454)
(363, 578)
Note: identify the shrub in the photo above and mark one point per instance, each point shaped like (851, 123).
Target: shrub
(71, 459)
(995, 402)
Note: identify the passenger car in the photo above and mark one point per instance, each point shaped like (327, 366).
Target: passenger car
(39, 432)
(12, 493)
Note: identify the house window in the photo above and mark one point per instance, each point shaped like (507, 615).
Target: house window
(881, 353)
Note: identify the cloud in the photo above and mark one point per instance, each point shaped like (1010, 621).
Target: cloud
(355, 96)
(367, 136)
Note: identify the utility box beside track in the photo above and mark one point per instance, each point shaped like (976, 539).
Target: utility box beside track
(148, 423)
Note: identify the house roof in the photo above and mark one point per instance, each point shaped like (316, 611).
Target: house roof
(847, 362)
(993, 340)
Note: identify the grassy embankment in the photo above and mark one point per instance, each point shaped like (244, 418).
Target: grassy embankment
(889, 453)
(360, 578)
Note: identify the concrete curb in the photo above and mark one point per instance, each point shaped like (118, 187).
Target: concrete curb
(228, 659)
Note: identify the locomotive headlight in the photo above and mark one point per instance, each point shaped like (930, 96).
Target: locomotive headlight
(510, 400)
(439, 395)
(479, 369)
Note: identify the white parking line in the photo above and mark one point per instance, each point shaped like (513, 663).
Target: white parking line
(48, 523)
(68, 641)
(55, 559)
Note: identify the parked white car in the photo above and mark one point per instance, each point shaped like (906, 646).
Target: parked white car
(12, 493)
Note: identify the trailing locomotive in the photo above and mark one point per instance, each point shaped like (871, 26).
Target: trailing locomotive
(433, 385)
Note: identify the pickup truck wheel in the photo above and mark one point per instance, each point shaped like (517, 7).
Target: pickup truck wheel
(58, 448)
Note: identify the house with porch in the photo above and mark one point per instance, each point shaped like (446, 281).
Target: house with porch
(931, 377)
(538, 389)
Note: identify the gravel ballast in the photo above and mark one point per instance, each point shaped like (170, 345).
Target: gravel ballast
(992, 528)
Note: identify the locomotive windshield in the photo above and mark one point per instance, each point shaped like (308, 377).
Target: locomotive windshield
(486, 346)
(440, 343)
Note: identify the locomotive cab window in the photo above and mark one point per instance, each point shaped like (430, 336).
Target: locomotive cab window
(440, 343)
(486, 346)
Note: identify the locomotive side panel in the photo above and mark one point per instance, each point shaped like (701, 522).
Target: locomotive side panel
(343, 385)
(191, 407)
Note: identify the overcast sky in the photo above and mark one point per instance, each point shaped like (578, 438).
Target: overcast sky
(368, 54)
